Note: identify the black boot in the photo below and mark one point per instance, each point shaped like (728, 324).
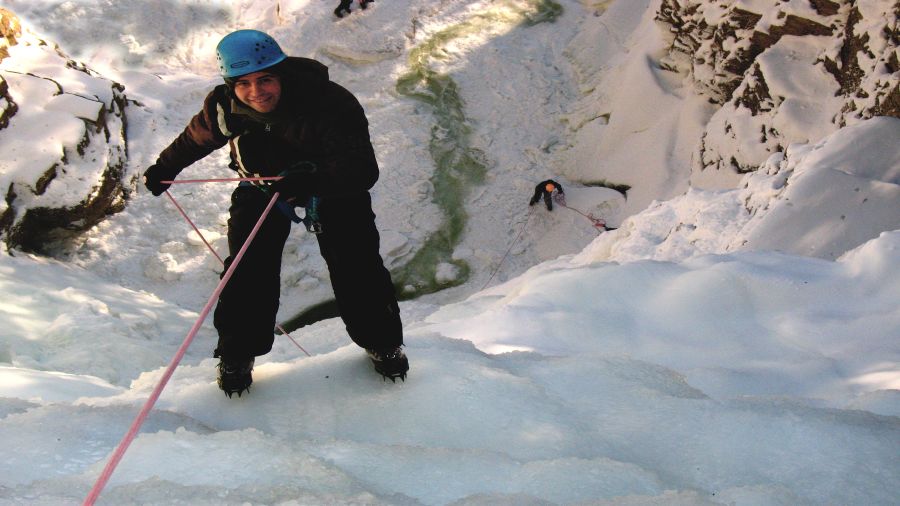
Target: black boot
(364, 3)
(344, 6)
(235, 375)
(390, 363)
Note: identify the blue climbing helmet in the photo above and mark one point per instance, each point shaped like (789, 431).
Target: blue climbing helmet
(247, 51)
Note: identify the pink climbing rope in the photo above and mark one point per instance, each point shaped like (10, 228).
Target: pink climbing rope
(139, 420)
(500, 264)
(197, 230)
(222, 180)
(180, 210)
(559, 198)
(598, 223)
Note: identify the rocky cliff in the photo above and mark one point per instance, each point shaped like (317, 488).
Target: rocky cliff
(62, 141)
(783, 71)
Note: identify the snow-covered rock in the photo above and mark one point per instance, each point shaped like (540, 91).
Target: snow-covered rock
(62, 139)
(836, 194)
(784, 72)
(819, 200)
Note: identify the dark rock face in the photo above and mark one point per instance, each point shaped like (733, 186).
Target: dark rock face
(841, 54)
(74, 121)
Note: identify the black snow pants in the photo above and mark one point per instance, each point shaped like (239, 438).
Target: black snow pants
(245, 316)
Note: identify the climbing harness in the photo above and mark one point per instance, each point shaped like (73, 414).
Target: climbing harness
(311, 220)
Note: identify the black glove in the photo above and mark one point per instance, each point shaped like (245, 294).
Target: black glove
(294, 185)
(154, 177)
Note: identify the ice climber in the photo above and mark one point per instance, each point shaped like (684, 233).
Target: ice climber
(344, 6)
(546, 189)
(282, 116)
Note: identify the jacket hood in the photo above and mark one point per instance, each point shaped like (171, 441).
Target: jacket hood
(298, 69)
(302, 80)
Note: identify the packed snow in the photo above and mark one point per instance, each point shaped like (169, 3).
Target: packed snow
(732, 344)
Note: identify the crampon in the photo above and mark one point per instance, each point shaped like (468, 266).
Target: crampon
(390, 364)
(235, 376)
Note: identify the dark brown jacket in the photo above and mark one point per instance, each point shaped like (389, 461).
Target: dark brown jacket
(316, 120)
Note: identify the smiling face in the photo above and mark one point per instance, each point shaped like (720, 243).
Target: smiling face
(259, 90)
